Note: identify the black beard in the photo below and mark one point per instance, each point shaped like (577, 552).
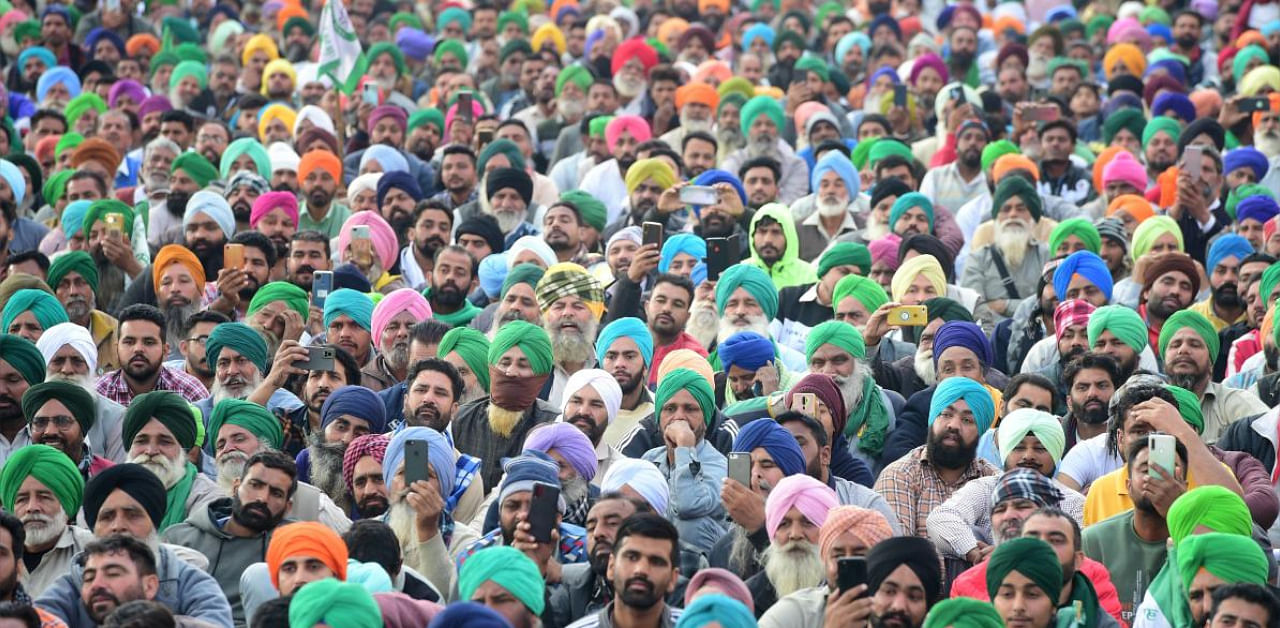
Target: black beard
(961, 59)
(971, 159)
(640, 600)
(1089, 417)
(372, 506)
(1188, 381)
(176, 202)
(1158, 308)
(1159, 166)
(431, 246)
(632, 384)
(1186, 42)
(891, 619)
(255, 516)
(947, 456)
(304, 270)
(1063, 359)
(878, 8)
(448, 295)
(241, 210)
(319, 197)
(716, 226)
(1228, 295)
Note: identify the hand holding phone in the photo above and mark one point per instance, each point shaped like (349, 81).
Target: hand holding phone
(415, 461)
(233, 255)
(319, 359)
(1161, 451)
(740, 468)
(851, 571)
(653, 233)
(805, 403)
(543, 509)
(909, 316)
(699, 195)
(1193, 161)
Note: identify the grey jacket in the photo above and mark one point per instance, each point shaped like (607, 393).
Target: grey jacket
(184, 589)
(694, 483)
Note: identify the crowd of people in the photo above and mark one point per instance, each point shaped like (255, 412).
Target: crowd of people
(688, 314)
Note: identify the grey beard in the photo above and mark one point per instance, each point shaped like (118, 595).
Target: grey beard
(730, 138)
(875, 229)
(741, 553)
(404, 522)
(175, 321)
(851, 386)
(766, 146)
(793, 566)
(111, 280)
(507, 221)
(572, 346)
(726, 328)
(1188, 381)
(78, 309)
(1012, 242)
(472, 394)
(1268, 143)
(326, 467)
(575, 490)
(235, 390)
(703, 323)
(398, 356)
(924, 366)
(230, 469)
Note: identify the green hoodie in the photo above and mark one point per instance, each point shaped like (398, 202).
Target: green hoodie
(790, 270)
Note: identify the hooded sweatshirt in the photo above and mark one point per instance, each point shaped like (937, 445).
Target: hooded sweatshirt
(790, 270)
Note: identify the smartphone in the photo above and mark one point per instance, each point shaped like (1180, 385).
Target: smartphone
(899, 95)
(1041, 113)
(851, 571)
(740, 467)
(1161, 452)
(1193, 158)
(805, 403)
(114, 224)
(370, 94)
(957, 94)
(233, 255)
(543, 509)
(319, 359)
(1251, 105)
(361, 244)
(415, 461)
(465, 107)
(699, 195)
(653, 233)
(321, 286)
(909, 316)
(484, 138)
(721, 254)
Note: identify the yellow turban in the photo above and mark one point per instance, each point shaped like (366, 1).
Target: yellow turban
(548, 32)
(686, 359)
(1128, 54)
(271, 112)
(259, 42)
(1256, 79)
(653, 168)
(926, 265)
(275, 67)
(671, 29)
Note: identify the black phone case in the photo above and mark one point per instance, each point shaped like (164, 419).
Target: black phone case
(415, 461)
(543, 508)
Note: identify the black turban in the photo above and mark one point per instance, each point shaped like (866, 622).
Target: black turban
(484, 226)
(886, 188)
(916, 553)
(76, 399)
(513, 178)
(134, 479)
(1200, 126)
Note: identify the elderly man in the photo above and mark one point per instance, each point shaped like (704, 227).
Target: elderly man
(795, 510)
(179, 282)
(517, 299)
(113, 255)
(348, 413)
(393, 319)
(762, 121)
(574, 455)
(433, 390)
(837, 349)
(746, 299)
(30, 311)
(510, 201)
(160, 430)
(68, 354)
(624, 350)
(520, 361)
(21, 366)
(1007, 270)
(803, 307)
(60, 414)
(835, 188)
(43, 488)
(572, 302)
(238, 355)
(129, 500)
(467, 350)
(74, 279)
(506, 580)
(1189, 346)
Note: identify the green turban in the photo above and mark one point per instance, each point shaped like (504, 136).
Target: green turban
(23, 356)
(1030, 557)
(838, 333)
(869, 293)
(294, 298)
(689, 380)
(52, 467)
(815, 65)
(1215, 507)
(862, 152)
(505, 147)
(909, 201)
(451, 46)
(755, 281)
(77, 400)
(401, 18)
(1161, 123)
(592, 209)
(1124, 323)
(736, 85)
(246, 146)
(512, 47)
(886, 147)
(1127, 118)
(386, 47)
(472, 346)
(508, 568)
(522, 273)
(196, 167)
(1010, 187)
(596, 127)
(1145, 236)
(251, 416)
(1232, 557)
(1081, 228)
(532, 340)
(241, 338)
(77, 261)
(963, 612)
(1188, 406)
(996, 150)
(55, 187)
(180, 30)
(427, 115)
(193, 69)
(190, 52)
(1198, 323)
(77, 106)
(334, 603)
(1249, 53)
(845, 254)
(46, 308)
(169, 408)
(761, 106)
(105, 206)
(1242, 192)
(300, 22)
(26, 29)
(517, 18)
(576, 74)
(69, 141)
(1268, 283)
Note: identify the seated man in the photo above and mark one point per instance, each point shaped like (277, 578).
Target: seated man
(160, 432)
(1024, 581)
(41, 486)
(506, 580)
(299, 553)
(795, 510)
(1006, 271)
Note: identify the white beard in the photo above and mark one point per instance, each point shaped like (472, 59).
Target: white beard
(507, 221)
(231, 468)
(222, 392)
(404, 522)
(570, 345)
(851, 386)
(690, 124)
(627, 88)
(875, 228)
(703, 323)
(1013, 238)
(760, 325)
(1269, 144)
(793, 566)
(169, 471)
(43, 529)
(763, 146)
(830, 206)
(924, 366)
(570, 108)
(85, 381)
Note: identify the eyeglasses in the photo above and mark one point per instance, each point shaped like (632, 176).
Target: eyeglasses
(208, 137)
(199, 339)
(41, 423)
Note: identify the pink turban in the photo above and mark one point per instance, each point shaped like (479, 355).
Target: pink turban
(885, 250)
(384, 237)
(1126, 28)
(402, 300)
(928, 60)
(812, 498)
(635, 124)
(1071, 312)
(1123, 167)
(271, 200)
(712, 68)
(476, 111)
(868, 525)
(722, 580)
(806, 111)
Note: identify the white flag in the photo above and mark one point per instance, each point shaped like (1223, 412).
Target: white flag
(341, 57)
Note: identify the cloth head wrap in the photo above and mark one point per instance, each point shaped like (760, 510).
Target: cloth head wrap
(686, 380)
(212, 205)
(243, 340)
(747, 350)
(251, 416)
(838, 333)
(1016, 425)
(1197, 323)
(44, 306)
(23, 357)
(603, 383)
(169, 408)
(1231, 557)
(1030, 557)
(687, 243)
(1086, 264)
(752, 279)
(963, 612)
(472, 346)
(310, 539)
(55, 75)
(358, 402)
(869, 526)
(920, 265)
(1246, 157)
(652, 168)
(1188, 406)
(957, 333)
(722, 580)
(439, 455)
(345, 301)
(503, 178)
(845, 254)
(1228, 245)
(775, 440)
(763, 106)
(835, 161)
(642, 477)
(1010, 187)
(294, 298)
(866, 291)
(177, 254)
(48, 465)
(73, 261)
(911, 200)
(508, 568)
(828, 395)
(568, 279)
(1028, 484)
(569, 441)
(977, 397)
(390, 306)
(532, 341)
(1215, 507)
(630, 328)
(77, 400)
(884, 250)
(812, 498)
(1125, 168)
(532, 244)
(55, 338)
(1260, 208)
(383, 236)
(102, 207)
(1080, 227)
(246, 146)
(521, 472)
(269, 201)
(1126, 324)
(635, 125)
(916, 553)
(334, 603)
(136, 481)
(1150, 230)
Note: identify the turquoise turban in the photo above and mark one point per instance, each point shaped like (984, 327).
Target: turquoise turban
(955, 389)
(246, 146)
(243, 340)
(911, 200)
(755, 281)
(631, 328)
(334, 603)
(508, 568)
(345, 301)
(46, 308)
(838, 333)
(686, 243)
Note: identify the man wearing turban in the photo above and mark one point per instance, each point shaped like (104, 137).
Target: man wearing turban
(1007, 270)
(21, 366)
(762, 121)
(1016, 566)
(572, 302)
(28, 312)
(1119, 332)
(467, 350)
(646, 180)
(500, 572)
(746, 299)
(294, 552)
(592, 399)
(836, 349)
(624, 349)
(31, 472)
(1171, 282)
(1225, 305)
(68, 354)
(61, 414)
(795, 510)
(74, 279)
(1189, 347)
(800, 308)
(569, 444)
(159, 429)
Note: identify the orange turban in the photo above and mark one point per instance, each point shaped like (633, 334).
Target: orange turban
(96, 149)
(177, 254)
(289, 10)
(1274, 98)
(1132, 204)
(671, 29)
(686, 359)
(1251, 37)
(320, 159)
(700, 93)
(1104, 158)
(1167, 183)
(1009, 22)
(306, 538)
(1128, 54)
(46, 147)
(140, 42)
(712, 69)
(1013, 161)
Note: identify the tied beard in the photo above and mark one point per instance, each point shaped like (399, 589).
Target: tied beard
(729, 327)
(43, 529)
(175, 321)
(236, 387)
(793, 566)
(704, 323)
(572, 345)
(168, 470)
(1012, 239)
(924, 366)
(830, 206)
(503, 421)
(326, 467)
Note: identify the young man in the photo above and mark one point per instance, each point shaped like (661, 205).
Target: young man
(643, 570)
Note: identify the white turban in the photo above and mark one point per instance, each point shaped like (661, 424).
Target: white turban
(531, 243)
(283, 157)
(62, 334)
(360, 184)
(604, 385)
(632, 233)
(643, 477)
(317, 116)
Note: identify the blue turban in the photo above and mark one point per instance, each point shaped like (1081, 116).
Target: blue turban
(746, 349)
(98, 34)
(760, 29)
(1227, 246)
(389, 158)
(885, 19)
(776, 440)
(699, 274)
(359, 402)
(976, 395)
(213, 205)
(57, 74)
(1087, 264)
(847, 43)
(628, 327)
(357, 305)
(1258, 207)
(1270, 28)
(686, 243)
(11, 175)
(1178, 102)
(716, 607)
(493, 272)
(1172, 66)
(45, 55)
(469, 614)
(439, 455)
(836, 161)
(714, 176)
(1157, 29)
(892, 73)
(962, 334)
(73, 217)
(1246, 157)
(755, 281)
(401, 180)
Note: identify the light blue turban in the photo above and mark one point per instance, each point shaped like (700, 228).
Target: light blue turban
(715, 607)
(389, 158)
(837, 162)
(760, 29)
(439, 455)
(357, 305)
(628, 327)
(54, 75)
(954, 389)
(214, 206)
(686, 243)
(1227, 246)
(847, 43)
(493, 272)
(73, 217)
(13, 176)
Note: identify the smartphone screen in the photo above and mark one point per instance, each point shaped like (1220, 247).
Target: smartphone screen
(1194, 158)
(1161, 453)
(415, 461)
(465, 108)
(543, 509)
